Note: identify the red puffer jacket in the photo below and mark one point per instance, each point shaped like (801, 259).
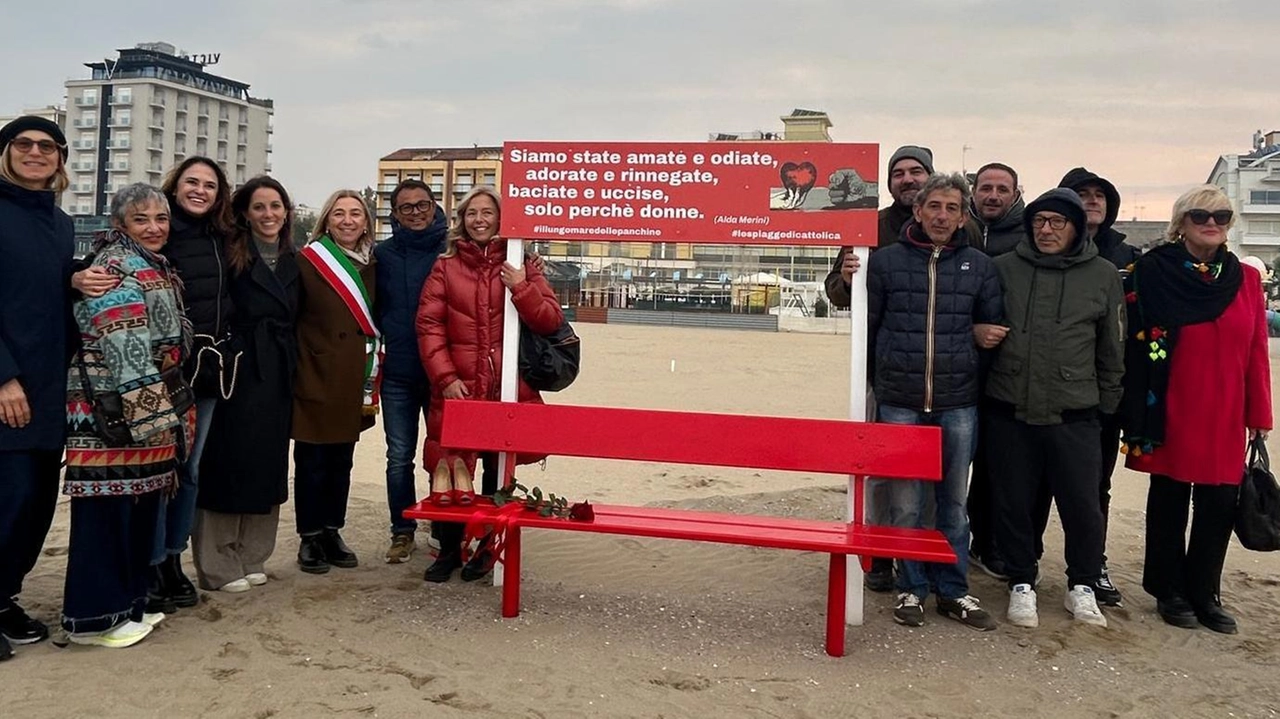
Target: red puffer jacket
(460, 328)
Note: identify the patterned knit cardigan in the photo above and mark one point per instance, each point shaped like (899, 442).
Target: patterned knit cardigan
(130, 335)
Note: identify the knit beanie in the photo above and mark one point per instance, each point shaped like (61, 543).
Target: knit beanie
(31, 122)
(1062, 201)
(923, 155)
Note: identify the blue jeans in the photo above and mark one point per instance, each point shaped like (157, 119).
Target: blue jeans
(908, 499)
(403, 402)
(178, 513)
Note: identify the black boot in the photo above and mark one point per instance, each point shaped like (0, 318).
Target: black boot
(1213, 616)
(176, 585)
(1176, 611)
(6, 651)
(337, 551)
(158, 598)
(311, 557)
(880, 578)
(479, 565)
(442, 569)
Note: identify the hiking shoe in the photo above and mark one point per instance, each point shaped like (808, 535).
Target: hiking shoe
(880, 578)
(908, 611)
(1106, 592)
(401, 548)
(991, 565)
(1083, 606)
(18, 627)
(966, 611)
(125, 634)
(1022, 607)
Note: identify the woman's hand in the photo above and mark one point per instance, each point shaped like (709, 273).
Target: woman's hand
(94, 282)
(512, 276)
(1259, 433)
(457, 389)
(14, 409)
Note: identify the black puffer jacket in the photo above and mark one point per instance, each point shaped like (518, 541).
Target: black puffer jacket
(922, 303)
(197, 251)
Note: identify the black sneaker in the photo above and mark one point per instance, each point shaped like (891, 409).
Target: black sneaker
(966, 611)
(991, 565)
(880, 578)
(1105, 592)
(19, 628)
(6, 651)
(908, 612)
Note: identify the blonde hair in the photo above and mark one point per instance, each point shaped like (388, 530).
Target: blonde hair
(58, 183)
(1204, 197)
(322, 224)
(458, 232)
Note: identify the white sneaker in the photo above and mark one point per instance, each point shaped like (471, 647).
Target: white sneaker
(1022, 607)
(125, 634)
(1083, 605)
(153, 619)
(235, 586)
(256, 579)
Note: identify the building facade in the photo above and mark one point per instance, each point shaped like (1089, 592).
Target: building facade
(1252, 181)
(450, 172)
(139, 115)
(52, 113)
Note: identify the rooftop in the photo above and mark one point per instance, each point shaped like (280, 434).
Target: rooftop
(442, 154)
(152, 61)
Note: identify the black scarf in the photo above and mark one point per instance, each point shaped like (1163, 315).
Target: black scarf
(1171, 289)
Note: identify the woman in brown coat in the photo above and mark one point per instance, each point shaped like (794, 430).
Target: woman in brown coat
(335, 393)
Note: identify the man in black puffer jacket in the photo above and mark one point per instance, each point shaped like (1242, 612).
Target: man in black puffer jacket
(930, 299)
(1102, 206)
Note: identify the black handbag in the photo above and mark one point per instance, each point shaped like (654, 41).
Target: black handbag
(549, 363)
(1258, 507)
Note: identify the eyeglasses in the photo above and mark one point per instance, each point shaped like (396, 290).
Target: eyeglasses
(1056, 223)
(421, 207)
(24, 145)
(1201, 217)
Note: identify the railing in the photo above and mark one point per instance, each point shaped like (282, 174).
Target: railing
(83, 144)
(87, 101)
(120, 122)
(85, 122)
(122, 99)
(118, 166)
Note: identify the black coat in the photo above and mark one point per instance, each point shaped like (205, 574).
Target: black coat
(245, 466)
(196, 251)
(36, 243)
(911, 366)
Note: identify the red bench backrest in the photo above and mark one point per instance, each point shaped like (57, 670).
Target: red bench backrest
(722, 440)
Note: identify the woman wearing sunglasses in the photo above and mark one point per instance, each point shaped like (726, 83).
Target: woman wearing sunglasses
(1197, 384)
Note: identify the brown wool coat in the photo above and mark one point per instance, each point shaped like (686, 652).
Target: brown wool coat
(328, 391)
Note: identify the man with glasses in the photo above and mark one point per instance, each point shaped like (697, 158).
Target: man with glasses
(1057, 368)
(1101, 207)
(418, 229)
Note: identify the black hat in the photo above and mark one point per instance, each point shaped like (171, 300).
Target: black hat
(32, 122)
(1062, 201)
(923, 155)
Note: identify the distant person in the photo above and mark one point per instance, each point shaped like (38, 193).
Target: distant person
(1102, 207)
(1058, 367)
(929, 297)
(459, 326)
(418, 229)
(244, 477)
(336, 389)
(37, 241)
(1198, 382)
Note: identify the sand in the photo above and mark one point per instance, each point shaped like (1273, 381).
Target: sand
(618, 627)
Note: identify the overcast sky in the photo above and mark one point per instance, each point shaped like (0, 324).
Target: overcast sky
(1146, 93)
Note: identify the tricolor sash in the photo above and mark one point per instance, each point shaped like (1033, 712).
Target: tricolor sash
(338, 271)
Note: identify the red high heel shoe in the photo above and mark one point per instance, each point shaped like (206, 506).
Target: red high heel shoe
(464, 492)
(441, 486)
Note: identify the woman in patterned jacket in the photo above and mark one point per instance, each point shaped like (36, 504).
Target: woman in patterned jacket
(132, 335)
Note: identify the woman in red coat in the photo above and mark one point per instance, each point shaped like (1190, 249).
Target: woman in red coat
(460, 321)
(1197, 383)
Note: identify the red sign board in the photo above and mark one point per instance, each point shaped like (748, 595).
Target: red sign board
(739, 193)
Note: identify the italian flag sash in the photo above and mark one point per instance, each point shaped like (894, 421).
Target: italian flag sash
(338, 271)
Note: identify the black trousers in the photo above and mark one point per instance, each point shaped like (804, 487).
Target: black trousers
(982, 505)
(451, 534)
(109, 560)
(28, 496)
(1025, 460)
(1110, 453)
(1173, 565)
(321, 485)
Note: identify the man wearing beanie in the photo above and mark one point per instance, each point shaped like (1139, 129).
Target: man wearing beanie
(1059, 366)
(1102, 206)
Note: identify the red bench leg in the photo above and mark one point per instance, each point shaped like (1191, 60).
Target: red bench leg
(835, 605)
(511, 573)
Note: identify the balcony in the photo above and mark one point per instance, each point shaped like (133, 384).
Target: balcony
(83, 144)
(120, 143)
(85, 122)
(182, 108)
(82, 166)
(243, 142)
(266, 167)
(118, 166)
(204, 112)
(1272, 176)
(157, 101)
(87, 101)
(386, 187)
(122, 100)
(155, 144)
(437, 190)
(120, 122)
(83, 188)
(180, 130)
(156, 123)
(155, 170)
(270, 129)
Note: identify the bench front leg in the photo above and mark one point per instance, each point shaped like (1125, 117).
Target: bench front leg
(835, 605)
(511, 572)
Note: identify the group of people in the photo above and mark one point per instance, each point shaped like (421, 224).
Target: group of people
(1043, 346)
(173, 366)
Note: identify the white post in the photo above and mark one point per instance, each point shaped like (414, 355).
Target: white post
(857, 413)
(510, 366)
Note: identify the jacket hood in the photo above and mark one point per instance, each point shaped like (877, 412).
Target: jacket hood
(1078, 177)
(1065, 202)
(428, 239)
(1010, 221)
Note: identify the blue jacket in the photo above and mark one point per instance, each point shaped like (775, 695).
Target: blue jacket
(404, 261)
(37, 241)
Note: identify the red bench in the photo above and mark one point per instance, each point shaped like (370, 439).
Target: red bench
(776, 443)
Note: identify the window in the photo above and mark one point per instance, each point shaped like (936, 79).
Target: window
(1264, 197)
(490, 178)
(202, 147)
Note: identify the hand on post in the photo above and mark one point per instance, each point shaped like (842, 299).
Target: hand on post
(849, 266)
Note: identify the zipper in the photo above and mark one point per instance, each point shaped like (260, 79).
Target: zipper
(929, 330)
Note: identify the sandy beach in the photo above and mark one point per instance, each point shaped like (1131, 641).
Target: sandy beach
(618, 627)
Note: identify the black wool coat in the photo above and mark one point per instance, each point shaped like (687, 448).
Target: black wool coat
(245, 466)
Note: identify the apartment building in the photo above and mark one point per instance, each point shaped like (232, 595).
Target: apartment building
(451, 172)
(1252, 182)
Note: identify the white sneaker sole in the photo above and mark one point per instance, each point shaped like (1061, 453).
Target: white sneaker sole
(256, 579)
(121, 637)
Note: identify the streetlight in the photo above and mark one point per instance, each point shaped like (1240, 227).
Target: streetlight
(964, 170)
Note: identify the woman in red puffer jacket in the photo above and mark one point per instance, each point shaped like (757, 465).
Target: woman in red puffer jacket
(460, 320)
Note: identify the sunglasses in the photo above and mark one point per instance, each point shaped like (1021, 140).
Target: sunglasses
(24, 144)
(1201, 217)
